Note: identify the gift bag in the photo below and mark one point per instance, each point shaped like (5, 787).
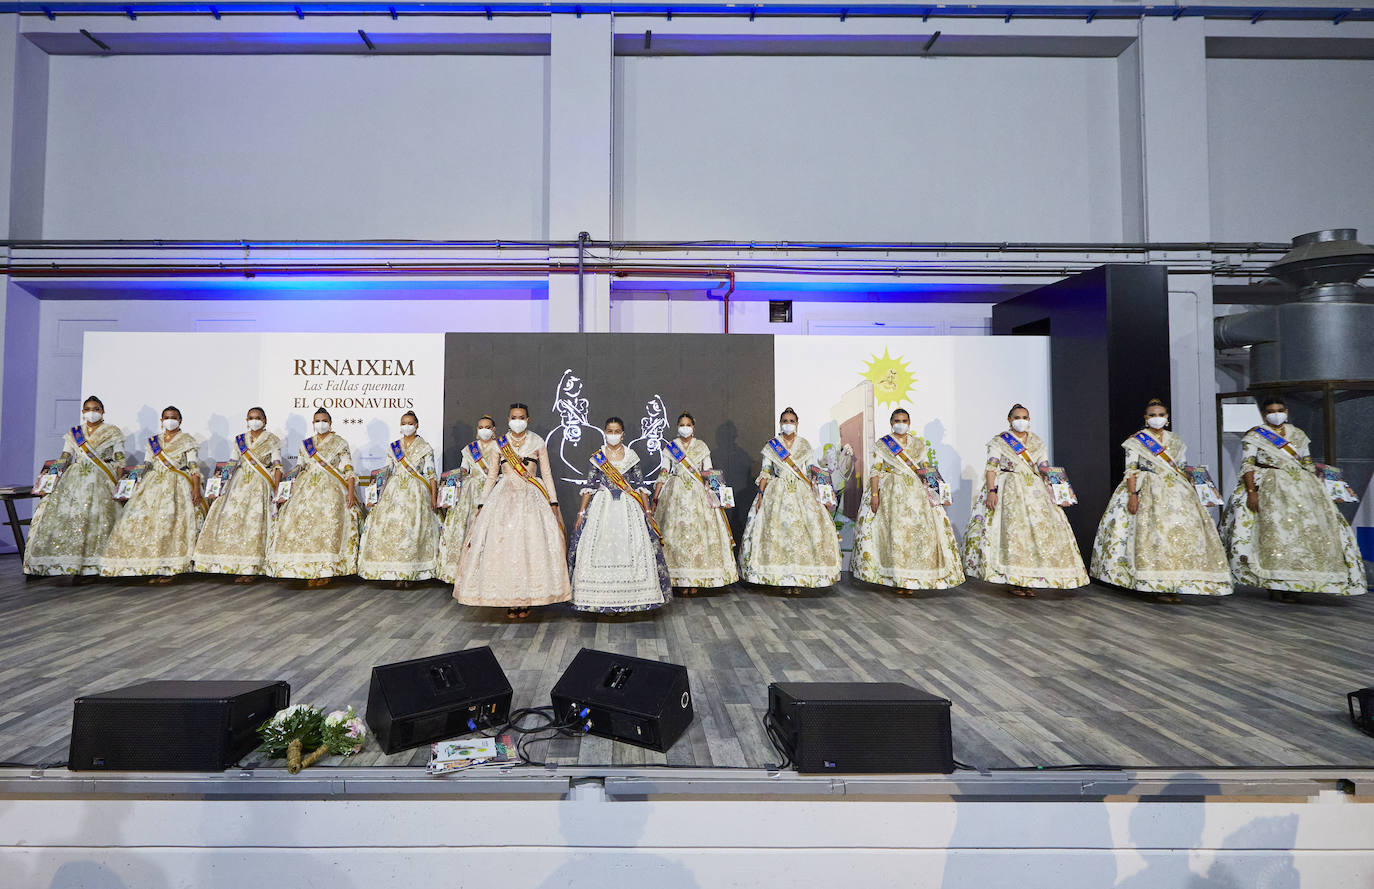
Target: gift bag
(1060, 490)
(219, 481)
(450, 483)
(1207, 491)
(48, 475)
(825, 491)
(717, 491)
(1337, 488)
(936, 488)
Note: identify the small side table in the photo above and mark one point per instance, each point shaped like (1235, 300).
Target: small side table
(9, 494)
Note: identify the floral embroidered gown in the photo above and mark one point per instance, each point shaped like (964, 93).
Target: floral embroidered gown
(614, 556)
(789, 538)
(472, 473)
(1026, 541)
(234, 539)
(698, 548)
(401, 537)
(156, 534)
(316, 532)
(1298, 541)
(1170, 545)
(72, 524)
(515, 556)
(909, 543)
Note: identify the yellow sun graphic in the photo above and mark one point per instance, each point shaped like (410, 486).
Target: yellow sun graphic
(892, 379)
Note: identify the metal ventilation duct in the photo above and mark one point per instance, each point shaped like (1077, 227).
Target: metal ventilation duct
(1326, 332)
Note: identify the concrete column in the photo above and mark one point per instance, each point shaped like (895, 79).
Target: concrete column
(1192, 368)
(580, 159)
(1173, 129)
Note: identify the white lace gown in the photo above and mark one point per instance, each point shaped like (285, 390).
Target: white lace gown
(401, 535)
(614, 556)
(909, 543)
(234, 539)
(1170, 546)
(1298, 541)
(316, 532)
(789, 539)
(72, 524)
(156, 534)
(458, 519)
(699, 551)
(515, 556)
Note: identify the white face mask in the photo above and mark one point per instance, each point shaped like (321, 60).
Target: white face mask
(1020, 425)
(92, 416)
(1277, 418)
(1156, 422)
(485, 434)
(519, 426)
(900, 428)
(171, 425)
(254, 425)
(613, 438)
(321, 427)
(789, 428)
(685, 431)
(407, 430)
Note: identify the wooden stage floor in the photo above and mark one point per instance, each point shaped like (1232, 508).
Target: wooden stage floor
(1095, 676)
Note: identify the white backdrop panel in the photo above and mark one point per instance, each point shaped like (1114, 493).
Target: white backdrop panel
(213, 378)
(959, 391)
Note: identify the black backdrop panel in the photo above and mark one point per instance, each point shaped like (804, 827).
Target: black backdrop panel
(572, 382)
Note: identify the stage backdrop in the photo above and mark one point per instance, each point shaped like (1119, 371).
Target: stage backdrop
(366, 381)
(958, 390)
(573, 382)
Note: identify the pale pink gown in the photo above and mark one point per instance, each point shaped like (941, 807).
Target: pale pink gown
(515, 556)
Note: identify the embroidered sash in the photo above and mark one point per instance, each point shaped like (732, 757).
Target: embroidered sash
(617, 478)
(399, 452)
(475, 450)
(1277, 441)
(1017, 448)
(313, 453)
(518, 465)
(156, 447)
(677, 453)
(79, 436)
(782, 454)
(241, 441)
(900, 452)
(1152, 445)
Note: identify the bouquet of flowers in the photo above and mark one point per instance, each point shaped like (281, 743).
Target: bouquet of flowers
(302, 727)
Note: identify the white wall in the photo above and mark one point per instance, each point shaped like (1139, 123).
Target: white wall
(1290, 145)
(845, 148)
(296, 147)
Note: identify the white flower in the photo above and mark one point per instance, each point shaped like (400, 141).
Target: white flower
(338, 717)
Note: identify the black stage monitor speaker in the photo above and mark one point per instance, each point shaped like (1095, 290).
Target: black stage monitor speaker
(860, 727)
(172, 726)
(1363, 716)
(430, 699)
(630, 699)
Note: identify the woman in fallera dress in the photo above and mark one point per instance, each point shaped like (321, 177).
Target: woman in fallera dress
(1156, 536)
(479, 455)
(1017, 535)
(155, 536)
(789, 538)
(401, 537)
(72, 523)
(515, 557)
(614, 555)
(315, 536)
(901, 538)
(234, 539)
(1282, 531)
(698, 547)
